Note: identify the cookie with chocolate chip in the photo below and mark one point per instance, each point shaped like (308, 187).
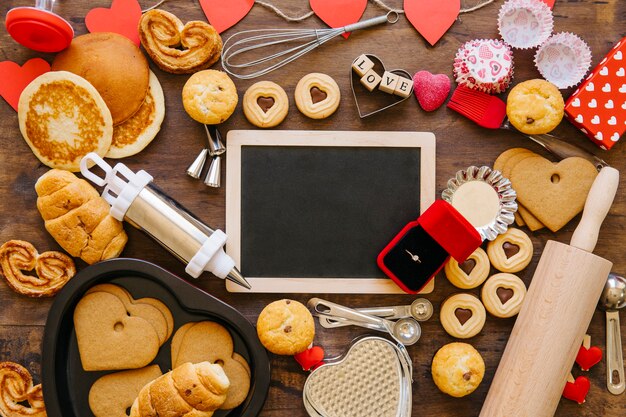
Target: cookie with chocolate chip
(285, 327)
(458, 369)
(535, 107)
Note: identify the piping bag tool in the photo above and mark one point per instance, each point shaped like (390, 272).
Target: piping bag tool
(556, 313)
(134, 198)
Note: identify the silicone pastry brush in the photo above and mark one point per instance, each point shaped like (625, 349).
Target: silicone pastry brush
(490, 112)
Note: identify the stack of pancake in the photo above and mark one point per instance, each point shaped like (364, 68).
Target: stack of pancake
(100, 97)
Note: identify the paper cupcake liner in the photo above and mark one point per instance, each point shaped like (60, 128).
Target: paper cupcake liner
(525, 24)
(484, 65)
(563, 59)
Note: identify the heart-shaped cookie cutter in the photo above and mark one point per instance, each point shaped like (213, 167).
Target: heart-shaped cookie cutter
(355, 78)
(372, 378)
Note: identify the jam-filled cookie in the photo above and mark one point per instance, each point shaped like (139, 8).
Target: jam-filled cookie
(458, 369)
(511, 251)
(462, 316)
(471, 273)
(503, 295)
(265, 104)
(317, 95)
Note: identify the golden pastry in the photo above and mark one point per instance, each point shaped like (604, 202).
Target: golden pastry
(503, 295)
(210, 97)
(511, 251)
(471, 273)
(265, 104)
(285, 327)
(176, 47)
(535, 107)
(53, 269)
(462, 316)
(16, 389)
(317, 95)
(458, 369)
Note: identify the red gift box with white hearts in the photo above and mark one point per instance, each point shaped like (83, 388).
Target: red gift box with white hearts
(598, 106)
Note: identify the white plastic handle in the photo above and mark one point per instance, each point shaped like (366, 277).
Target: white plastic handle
(597, 206)
(96, 160)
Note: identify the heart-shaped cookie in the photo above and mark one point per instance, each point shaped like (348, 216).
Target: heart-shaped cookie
(18, 396)
(123, 18)
(53, 269)
(431, 90)
(371, 379)
(372, 102)
(176, 47)
(15, 78)
(553, 192)
(106, 333)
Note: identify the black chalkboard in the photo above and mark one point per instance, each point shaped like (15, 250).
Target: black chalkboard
(319, 212)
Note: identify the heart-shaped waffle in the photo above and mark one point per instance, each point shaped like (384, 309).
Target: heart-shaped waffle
(373, 378)
(53, 269)
(17, 390)
(178, 48)
(372, 102)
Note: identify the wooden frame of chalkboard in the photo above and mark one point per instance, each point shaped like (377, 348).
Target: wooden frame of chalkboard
(248, 173)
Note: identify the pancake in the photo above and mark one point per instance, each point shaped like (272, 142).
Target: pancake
(112, 64)
(137, 132)
(63, 118)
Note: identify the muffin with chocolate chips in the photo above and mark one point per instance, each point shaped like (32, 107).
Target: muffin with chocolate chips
(535, 107)
(285, 327)
(458, 369)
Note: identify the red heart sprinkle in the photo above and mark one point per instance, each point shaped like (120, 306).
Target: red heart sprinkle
(587, 358)
(310, 358)
(577, 390)
(15, 78)
(431, 90)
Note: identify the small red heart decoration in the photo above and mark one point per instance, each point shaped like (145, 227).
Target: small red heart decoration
(122, 18)
(550, 3)
(224, 14)
(15, 78)
(432, 18)
(431, 90)
(577, 390)
(587, 358)
(339, 13)
(310, 358)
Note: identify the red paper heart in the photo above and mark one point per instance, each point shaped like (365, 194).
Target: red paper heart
(310, 358)
(432, 18)
(431, 90)
(550, 3)
(339, 13)
(15, 78)
(224, 14)
(123, 18)
(577, 390)
(586, 358)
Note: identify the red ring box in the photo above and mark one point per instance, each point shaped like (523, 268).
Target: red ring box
(416, 254)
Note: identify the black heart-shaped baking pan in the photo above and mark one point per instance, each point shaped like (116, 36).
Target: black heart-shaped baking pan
(66, 385)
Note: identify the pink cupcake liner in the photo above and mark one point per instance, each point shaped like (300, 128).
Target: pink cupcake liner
(484, 65)
(525, 24)
(563, 59)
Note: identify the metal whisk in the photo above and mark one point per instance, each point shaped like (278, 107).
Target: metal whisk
(309, 39)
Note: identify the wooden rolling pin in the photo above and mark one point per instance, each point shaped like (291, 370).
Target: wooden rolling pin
(556, 313)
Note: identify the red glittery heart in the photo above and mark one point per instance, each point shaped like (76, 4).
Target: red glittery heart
(431, 90)
(310, 358)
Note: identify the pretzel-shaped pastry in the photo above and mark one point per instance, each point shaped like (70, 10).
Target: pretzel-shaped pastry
(53, 269)
(16, 386)
(162, 34)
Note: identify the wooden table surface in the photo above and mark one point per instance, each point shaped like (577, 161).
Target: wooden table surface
(460, 143)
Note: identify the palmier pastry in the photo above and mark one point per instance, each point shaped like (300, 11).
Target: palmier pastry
(471, 273)
(511, 251)
(16, 388)
(53, 269)
(176, 47)
(503, 295)
(462, 316)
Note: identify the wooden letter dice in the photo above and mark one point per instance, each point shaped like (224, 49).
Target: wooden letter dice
(388, 82)
(362, 65)
(370, 80)
(403, 87)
